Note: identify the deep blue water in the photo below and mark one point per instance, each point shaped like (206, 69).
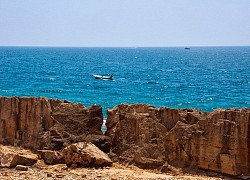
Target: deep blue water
(202, 77)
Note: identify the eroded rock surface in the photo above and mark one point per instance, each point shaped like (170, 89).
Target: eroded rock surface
(39, 123)
(85, 154)
(51, 157)
(152, 137)
(72, 123)
(138, 134)
(100, 141)
(13, 156)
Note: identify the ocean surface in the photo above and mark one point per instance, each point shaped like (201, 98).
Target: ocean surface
(204, 78)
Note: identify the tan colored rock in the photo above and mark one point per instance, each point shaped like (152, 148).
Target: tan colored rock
(100, 141)
(39, 123)
(51, 157)
(13, 156)
(225, 145)
(73, 122)
(85, 154)
(22, 168)
(76, 119)
(139, 132)
(22, 119)
(185, 138)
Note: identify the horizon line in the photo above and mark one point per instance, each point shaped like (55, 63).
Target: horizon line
(124, 46)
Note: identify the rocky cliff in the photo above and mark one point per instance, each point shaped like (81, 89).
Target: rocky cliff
(40, 123)
(138, 134)
(182, 138)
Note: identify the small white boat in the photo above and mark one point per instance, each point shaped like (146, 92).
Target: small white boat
(110, 77)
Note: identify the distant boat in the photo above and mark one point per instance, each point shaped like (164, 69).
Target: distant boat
(110, 77)
(187, 48)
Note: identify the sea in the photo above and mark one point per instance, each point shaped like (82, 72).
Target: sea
(204, 78)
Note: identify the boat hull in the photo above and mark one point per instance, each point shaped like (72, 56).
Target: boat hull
(103, 77)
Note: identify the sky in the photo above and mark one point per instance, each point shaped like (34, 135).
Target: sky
(124, 23)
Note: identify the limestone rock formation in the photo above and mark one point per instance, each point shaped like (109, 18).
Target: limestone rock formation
(100, 141)
(151, 137)
(85, 154)
(39, 123)
(51, 157)
(22, 119)
(13, 156)
(225, 144)
(72, 123)
(76, 119)
(140, 134)
(135, 136)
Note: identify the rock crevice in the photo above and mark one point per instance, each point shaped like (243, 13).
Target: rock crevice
(139, 134)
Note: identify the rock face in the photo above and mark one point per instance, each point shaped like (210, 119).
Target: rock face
(12, 156)
(85, 154)
(140, 134)
(22, 119)
(153, 137)
(72, 123)
(39, 123)
(51, 157)
(225, 144)
(101, 141)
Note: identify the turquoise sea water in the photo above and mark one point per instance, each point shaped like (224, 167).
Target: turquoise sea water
(202, 77)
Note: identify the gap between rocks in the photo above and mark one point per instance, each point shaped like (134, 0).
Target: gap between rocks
(104, 127)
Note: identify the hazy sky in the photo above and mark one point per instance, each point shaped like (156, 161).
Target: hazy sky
(124, 22)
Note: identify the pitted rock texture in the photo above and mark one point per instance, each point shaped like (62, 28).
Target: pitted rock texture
(183, 138)
(22, 119)
(13, 156)
(138, 134)
(72, 123)
(85, 154)
(41, 123)
(51, 157)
